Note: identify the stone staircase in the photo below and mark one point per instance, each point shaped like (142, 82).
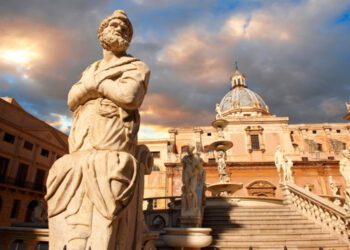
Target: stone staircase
(266, 227)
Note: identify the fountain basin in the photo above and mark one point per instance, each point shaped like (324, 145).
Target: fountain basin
(190, 237)
(224, 189)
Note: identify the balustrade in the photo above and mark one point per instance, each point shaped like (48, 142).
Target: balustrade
(325, 213)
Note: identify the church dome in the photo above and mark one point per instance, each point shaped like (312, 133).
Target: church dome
(240, 100)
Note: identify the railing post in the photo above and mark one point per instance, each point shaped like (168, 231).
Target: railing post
(149, 204)
(287, 198)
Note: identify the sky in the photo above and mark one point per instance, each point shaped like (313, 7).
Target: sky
(294, 53)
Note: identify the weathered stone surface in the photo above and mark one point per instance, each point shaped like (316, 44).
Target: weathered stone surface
(93, 193)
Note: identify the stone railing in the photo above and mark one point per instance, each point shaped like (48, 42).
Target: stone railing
(158, 217)
(152, 203)
(329, 216)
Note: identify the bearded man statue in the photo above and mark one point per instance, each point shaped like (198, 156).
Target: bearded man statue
(90, 190)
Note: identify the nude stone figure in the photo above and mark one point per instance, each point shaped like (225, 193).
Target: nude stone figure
(279, 161)
(89, 191)
(191, 177)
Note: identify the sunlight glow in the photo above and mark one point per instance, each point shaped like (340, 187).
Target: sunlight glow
(18, 56)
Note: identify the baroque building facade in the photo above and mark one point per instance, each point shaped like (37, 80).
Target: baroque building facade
(255, 133)
(28, 148)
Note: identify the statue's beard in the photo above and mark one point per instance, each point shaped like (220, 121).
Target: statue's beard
(113, 41)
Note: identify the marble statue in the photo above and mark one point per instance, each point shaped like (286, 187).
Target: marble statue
(218, 111)
(221, 160)
(344, 166)
(287, 170)
(93, 192)
(344, 169)
(334, 186)
(191, 175)
(193, 180)
(279, 161)
(285, 164)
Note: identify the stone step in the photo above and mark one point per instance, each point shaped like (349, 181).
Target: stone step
(274, 237)
(325, 242)
(266, 217)
(256, 213)
(280, 247)
(260, 226)
(267, 231)
(259, 208)
(254, 221)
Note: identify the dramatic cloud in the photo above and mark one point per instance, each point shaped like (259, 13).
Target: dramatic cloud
(295, 54)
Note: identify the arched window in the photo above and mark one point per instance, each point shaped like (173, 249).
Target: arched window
(30, 210)
(261, 188)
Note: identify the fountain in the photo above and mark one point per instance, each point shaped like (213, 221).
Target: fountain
(224, 187)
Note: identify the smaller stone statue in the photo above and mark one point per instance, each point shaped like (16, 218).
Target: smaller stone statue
(218, 111)
(344, 166)
(334, 186)
(344, 169)
(193, 179)
(279, 161)
(221, 160)
(285, 164)
(287, 170)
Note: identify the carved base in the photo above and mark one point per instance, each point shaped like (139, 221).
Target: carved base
(191, 221)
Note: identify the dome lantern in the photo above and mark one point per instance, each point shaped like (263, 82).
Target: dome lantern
(238, 78)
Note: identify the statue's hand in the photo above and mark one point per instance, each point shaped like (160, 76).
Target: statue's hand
(88, 80)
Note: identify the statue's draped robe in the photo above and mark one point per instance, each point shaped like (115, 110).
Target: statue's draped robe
(90, 187)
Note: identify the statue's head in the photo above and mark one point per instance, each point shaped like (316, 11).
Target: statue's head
(115, 32)
(191, 149)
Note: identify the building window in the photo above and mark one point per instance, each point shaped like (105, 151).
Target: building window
(44, 152)
(314, 131)
(4, 163)
(208, 134)
(21, 175)
(344, 145)
(254, 139)
(9, 138)
(28, 145)
(338, 131)
(39, 179)
(15, 209)
(156, 154)
(319, 147)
